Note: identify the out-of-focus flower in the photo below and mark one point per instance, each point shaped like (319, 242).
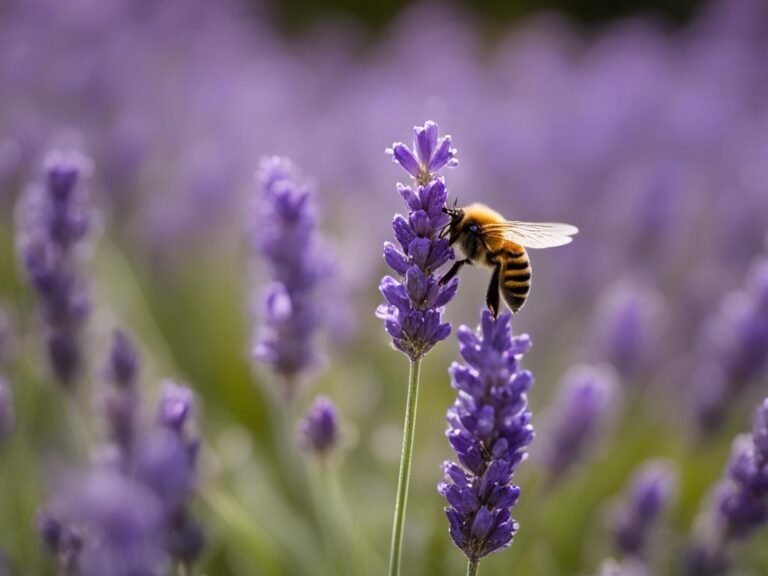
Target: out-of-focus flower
(650, 494)
(585, 403)
(285, 236)
(737, 506)
(117, 521)
(628, 328)
(489, 428)
(121, 402)
(7, 418)
(627, 568)
(157, 470)
(52, 222)
(415, 303)
(732, 352)
(169, 465)
(319, 428)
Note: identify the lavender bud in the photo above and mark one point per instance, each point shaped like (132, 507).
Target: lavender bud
(123, 366)
(489, 429)
(415, 303)
(651, 492)
(319, 428)
(584, 404)
(176, 405)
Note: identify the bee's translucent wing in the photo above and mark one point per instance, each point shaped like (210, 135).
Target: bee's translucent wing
(533, 234)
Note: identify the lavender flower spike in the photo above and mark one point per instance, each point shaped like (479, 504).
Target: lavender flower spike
(489, 428)
(415, 301)
(738, 505)
(651, 492)
(319, 429)
(52, 222)
(431, 153)
(285, 235)
(584, 404)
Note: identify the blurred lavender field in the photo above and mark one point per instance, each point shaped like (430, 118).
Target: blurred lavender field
(138, 127)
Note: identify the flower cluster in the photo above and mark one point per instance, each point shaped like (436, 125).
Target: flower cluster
(415, 302)
(319, 428)
(584, 403)
(651, 492)
(285, 235)
(128, 513)
(489, 428)
(738, 505)
(733, 347)
(52, 222)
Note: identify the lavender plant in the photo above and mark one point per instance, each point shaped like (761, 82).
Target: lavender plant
(127, 513)
(52, 223)
(585, 403)
(319, 428)
(651, 492)
(416, 301)
(489, 428)
(738, 505)
(733, 347)
(285, 235)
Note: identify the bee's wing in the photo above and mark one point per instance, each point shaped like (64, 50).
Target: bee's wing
(533, 234)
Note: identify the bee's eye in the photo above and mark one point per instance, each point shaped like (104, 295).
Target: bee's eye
(473, 228)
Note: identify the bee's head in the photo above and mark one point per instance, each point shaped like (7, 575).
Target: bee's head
(456, 215)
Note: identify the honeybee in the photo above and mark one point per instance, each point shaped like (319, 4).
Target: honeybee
(487, 238)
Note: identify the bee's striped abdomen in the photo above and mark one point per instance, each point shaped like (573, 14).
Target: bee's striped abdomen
(515, 280)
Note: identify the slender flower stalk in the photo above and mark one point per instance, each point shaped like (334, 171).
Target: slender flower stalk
(415, 300)
(285, 236)
(53, 221)
(489, 428)
(7, 418)
(738, 505)
(650, 494)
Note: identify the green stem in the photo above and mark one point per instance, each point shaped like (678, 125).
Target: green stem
(405, 469)
(472, 567)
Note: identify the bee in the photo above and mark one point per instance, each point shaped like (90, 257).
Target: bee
(487, 238)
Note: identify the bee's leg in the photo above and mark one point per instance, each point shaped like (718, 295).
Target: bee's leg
(492, 297)
(453, 271)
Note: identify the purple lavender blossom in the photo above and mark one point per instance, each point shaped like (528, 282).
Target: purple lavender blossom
(113, 526)
(319, 428)
(7, 418)
(737, 506)
(733, 347)
(628, 328)
(584, 404)
(169, 466)
(489, 428)
(285, 235)
(53, 221)
(121, 402)
(651, 492)
(415, 303)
